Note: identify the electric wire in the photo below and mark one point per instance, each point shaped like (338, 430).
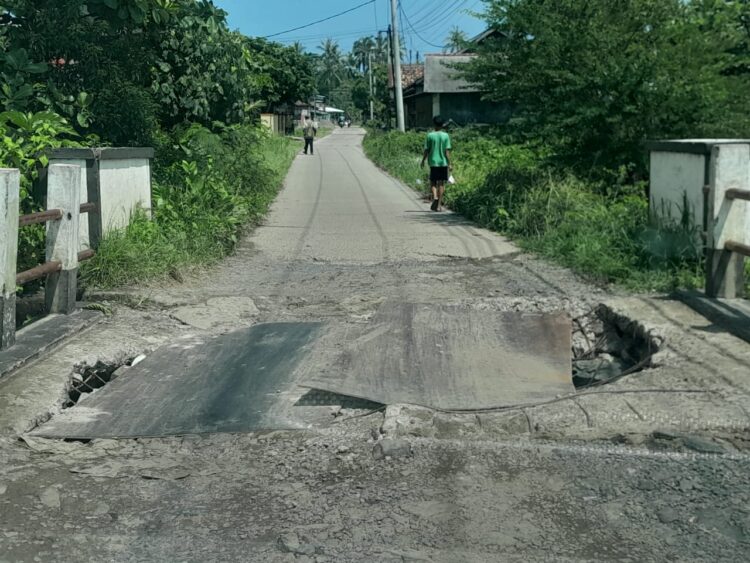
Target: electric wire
(315, 36)
(363, 4)
(403, 29)
(443, 18)
(429, 17)
(427, 9)
(404, 16)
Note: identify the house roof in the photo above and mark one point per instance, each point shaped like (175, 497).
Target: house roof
(411, 73)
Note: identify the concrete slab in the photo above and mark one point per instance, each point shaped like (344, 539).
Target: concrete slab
(43, 336)
(730, 314)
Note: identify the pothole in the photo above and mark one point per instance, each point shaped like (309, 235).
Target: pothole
(88, 378)
(319, 397)
(608, 346)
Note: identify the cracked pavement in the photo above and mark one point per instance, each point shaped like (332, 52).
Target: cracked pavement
(652, 467)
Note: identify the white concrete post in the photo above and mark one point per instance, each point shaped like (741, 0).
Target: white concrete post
(10, 180)
(728, 220)
(63, 192)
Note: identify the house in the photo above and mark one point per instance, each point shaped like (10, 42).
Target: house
(439, 89)
(317, 111)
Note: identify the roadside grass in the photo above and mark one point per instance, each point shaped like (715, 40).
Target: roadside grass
(603, 232)
(200, 207)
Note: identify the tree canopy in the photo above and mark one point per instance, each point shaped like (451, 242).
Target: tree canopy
(124, 69)
(595, 78)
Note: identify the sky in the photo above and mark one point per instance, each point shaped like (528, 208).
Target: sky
(431, 20)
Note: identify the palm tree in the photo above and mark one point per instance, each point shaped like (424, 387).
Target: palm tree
(380, 50)
(298, 47)
(330, 66)
(361, 52)
(456, 40)
(351, 65)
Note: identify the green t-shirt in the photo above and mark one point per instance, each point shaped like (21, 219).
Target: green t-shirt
(436, 144)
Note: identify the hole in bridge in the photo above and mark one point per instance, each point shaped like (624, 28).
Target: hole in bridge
(320, 398)
(86, 379)
(607, 346)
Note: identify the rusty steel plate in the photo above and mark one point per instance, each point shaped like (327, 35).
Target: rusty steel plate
(453, 357)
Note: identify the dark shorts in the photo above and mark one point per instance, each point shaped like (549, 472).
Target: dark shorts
(438, 174)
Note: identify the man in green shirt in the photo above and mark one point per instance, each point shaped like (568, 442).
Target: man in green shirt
(437, 153)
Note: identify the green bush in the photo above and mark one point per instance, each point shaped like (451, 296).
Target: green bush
(603, 232)
(224, 181)
(124, 114)
(26, 138)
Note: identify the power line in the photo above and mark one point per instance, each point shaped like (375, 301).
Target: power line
(425, 10)
(403, 14)
(443, 18)
(309, 37)
(323, 20)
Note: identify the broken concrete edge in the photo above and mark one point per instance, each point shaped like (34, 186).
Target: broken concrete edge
(617, 315)
(131, 299)
(41, 338)
(565, 420)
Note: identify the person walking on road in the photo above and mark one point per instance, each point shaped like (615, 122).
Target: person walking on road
(437, 153)
(309, 131)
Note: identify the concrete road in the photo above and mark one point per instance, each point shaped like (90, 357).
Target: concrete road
(342, 239)
(339, 207)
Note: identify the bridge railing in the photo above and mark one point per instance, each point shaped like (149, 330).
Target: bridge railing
(728, 233)
(62, 254)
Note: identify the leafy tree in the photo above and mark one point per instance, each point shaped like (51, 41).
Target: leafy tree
(201, 71)
(595, 78)
(282, 74)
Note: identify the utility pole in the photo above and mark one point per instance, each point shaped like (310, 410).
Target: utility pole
(397, 69)
(372, 103)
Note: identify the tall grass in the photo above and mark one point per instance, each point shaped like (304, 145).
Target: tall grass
(216, 185)
(604, 232)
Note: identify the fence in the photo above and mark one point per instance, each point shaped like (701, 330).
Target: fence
(709, 181)
(62, 253)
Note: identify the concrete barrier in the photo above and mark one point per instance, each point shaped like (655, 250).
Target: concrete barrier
(696, 177)
(117, 180)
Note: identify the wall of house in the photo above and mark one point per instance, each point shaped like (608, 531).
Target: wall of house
(277, 123)
(469, 108)
(419, 111)
(464, 109)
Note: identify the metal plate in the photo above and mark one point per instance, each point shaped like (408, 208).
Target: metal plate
(229, 383)
(454, 357)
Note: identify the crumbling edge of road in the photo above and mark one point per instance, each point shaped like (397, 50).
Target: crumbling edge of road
(674, 401)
